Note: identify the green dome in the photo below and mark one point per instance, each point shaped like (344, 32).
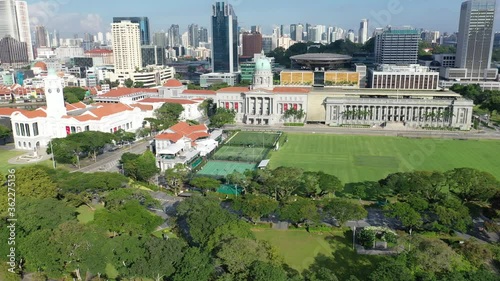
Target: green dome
(263, 65)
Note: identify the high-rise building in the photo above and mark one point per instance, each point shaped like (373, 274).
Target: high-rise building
(185, 39)
(23, 25)
(252, 44)
(224, 38)
(267, 43)
(109, 38)
(8, 19)
(13, 52)
(41, 36)
(203, 35)
(174, 36)
(100, 37)
(152, 55)
(397, 46)
(430, 36)
(282, 30)
(276, 37)
(299, 37)
(363, 31)
(193, 33)
(160, 39)
(475, 36)
(293, 32)
(351, 36)
(143, 27)
(255, 29)
(126, 46)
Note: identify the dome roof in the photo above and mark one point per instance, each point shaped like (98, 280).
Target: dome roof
(263, 64)
(41, 65)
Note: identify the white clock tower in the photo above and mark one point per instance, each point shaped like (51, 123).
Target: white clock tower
(56, 108)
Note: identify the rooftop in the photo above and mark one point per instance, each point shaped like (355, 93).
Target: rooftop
(121, 92)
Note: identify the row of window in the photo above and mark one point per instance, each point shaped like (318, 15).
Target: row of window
(24, 129)
(125, 127)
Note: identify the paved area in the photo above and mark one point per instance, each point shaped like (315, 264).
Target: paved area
(29, 158)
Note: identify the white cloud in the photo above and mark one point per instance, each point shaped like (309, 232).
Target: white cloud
(48, 14)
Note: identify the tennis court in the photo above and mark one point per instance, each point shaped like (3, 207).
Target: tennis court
(241, 154)
(224, 168)
(258, 139)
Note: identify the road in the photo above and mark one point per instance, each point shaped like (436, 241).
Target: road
(108, 162)
(322, 129)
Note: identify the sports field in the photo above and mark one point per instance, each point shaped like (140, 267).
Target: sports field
(257, 139)
(224, 168)
(367, 158)
(241, 153)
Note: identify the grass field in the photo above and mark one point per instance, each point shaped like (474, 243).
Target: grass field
(5, 155)
(258, 139)
(240, 153)
(362, 158)
(301, 250)
(85, 214)
(224, 168)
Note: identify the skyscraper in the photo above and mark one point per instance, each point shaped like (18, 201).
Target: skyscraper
(351, 36)
(203, 35)
(475, 36)
(174, 36)
(8, 19)
(224, 38)
(397, 46)
(160, 39)
(193, 33)
(41, 36)
(252, 44)
(299, 33)
(126, 46)
(143, 27)
(23, 25)
(363, 31)
(293, 32)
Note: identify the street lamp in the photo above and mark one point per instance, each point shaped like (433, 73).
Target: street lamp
(53, 157)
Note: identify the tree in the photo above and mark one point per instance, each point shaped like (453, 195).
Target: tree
(115, 199)
(129, 83)
(406, 214)
(139, 167)
(138, 85)
(254, 206)
(65, 150)
(168, 114)
(4, 132)
(122, 136)
(227, 231)
(310, 186)
(320, 274)
(451, 214)
(237, 179)
(477, 254)
(205, 183)
(264, 271)
(237, 255)
(92, 142)
(299, 211)
(222, 117)
(343, 210)
(472, 185)
(391, 270)
(329, 183)
(34, 182)
(175, 178)
(283, 182)
(194, 266)
(39, 214)
(435, 256)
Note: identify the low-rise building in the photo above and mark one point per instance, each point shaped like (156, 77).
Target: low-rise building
(207, 80)
(412, 77)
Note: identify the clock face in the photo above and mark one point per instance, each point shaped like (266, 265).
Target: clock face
(50, 91)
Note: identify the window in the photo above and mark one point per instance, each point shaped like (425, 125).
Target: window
(17, 131)
(87, 128)
(28, 133)
(23, 133)
(35, 129)
(73, 129)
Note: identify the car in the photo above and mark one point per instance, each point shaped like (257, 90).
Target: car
(114, 148)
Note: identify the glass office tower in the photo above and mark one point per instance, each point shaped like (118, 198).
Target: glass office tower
(143, 27)
(224, 38)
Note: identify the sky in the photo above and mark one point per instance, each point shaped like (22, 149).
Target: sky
(79, 16)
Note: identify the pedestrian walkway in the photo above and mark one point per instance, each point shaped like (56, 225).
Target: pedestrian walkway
(30, 158)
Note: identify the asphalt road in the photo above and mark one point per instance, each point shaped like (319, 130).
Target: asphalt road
(108, 162)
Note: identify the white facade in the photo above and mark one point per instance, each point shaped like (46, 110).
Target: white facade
(363, 31)
(8, 22)
(206, 80)
(23, 24)
(412, 77)
(69, 52)
(150, 77)
(126, 47)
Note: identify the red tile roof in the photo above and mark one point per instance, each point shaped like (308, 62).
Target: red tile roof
(121, 92)
(173, 83)
(234, 90)
(143, 107)
(173, 137)
(160, 100)
(41, 65)
(32, 113)
(75, 106)
(199, 92)
(7, 112)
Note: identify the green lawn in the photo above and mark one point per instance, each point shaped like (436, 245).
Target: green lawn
(301, 250)
(6, 155)
(361, 158)
(85, 214)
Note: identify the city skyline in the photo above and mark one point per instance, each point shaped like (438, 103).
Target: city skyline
(83, 17)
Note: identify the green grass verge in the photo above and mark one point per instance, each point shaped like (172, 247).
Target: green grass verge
(85, 214)
(371, 158)
(111, 271)
(333, 250)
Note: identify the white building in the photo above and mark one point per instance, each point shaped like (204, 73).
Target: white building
(151, 76)
(206, 80)
(184, 144)
(363, 31)
(23, 25)
(126, 47)
(65, 52)
(412, 77)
